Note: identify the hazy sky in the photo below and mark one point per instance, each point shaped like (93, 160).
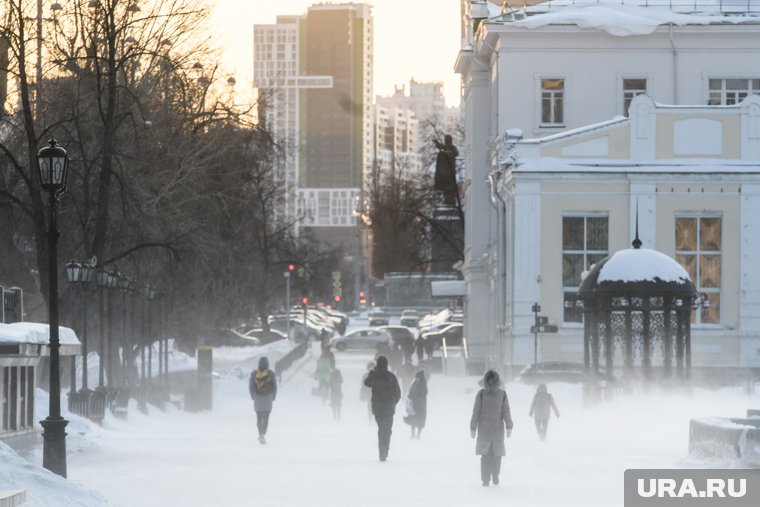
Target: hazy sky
(413, 38)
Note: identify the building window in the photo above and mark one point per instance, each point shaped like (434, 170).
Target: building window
(631, 88)
(552, 92)
(726, 92)
(584, 243)
(698, 250)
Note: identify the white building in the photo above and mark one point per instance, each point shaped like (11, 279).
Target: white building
(563, 65)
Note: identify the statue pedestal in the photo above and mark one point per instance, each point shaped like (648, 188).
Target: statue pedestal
(447, 239)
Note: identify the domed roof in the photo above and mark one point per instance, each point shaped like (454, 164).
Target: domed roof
(637, 271)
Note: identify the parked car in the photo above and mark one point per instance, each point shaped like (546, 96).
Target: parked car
(264, 337)
(378, 318)
(298, 330)
(340, 319)
(399, 334)
(553, 371)
(453, 334)
(365, 339)
(410, 318)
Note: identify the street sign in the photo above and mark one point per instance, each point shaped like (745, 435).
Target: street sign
(546, 328)
(542, 320)
(336, 276)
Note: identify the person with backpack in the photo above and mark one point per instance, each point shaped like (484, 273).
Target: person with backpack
(490, 416)
(540, 410)
(386, 393)
(263, 389)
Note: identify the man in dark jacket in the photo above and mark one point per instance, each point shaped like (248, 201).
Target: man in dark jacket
(262, 387)
(386, 393)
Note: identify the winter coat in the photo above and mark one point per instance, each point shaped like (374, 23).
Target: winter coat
(542, 405)
(263, 389)
(324, 370)
(490, 416)
(418, 396)
(336, 390)
(386, 392)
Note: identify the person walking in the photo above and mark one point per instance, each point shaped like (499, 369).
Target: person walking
(418, 398)
(386, 393)
(263, 389)
(490, 416)
(323, 374)
(336, 392)
(540, 410)
(419, 345)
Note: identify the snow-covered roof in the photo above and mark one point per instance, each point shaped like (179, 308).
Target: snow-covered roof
(635, 17)
(642, 264)
(35, 333)
(677, 166)
(637, 271)
(448, 288)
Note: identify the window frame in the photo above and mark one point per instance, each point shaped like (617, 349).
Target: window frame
(698, 254)
(624, 108)
(540, 123)
(585, 251)
(723, 89)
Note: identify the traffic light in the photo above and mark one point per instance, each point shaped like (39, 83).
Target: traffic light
(361, 294)
(291, 267)
(337, 299)
(304, 301)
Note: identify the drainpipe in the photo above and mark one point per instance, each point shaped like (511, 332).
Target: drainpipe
(498, 203)
(675, 65)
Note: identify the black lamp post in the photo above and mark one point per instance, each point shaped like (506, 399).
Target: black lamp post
(101, 278)
(123, 284)
(113, 281)
(87, 276)
(53, 166)
(73, 273)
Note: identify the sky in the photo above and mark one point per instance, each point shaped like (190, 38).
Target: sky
(413, 38)
(175, 458)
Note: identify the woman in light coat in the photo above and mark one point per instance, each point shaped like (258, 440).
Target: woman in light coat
(540, 410)
(490, 417)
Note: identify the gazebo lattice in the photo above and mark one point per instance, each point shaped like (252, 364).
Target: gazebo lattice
(637, 307)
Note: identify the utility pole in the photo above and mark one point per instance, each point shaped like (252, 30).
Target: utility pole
(535, 309)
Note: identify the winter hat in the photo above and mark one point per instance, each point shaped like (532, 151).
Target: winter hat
(491, 379)
(420, 375)
(382, 362)
(542, 388)
(263, 363)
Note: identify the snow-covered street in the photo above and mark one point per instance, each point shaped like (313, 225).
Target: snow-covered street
(176, 458)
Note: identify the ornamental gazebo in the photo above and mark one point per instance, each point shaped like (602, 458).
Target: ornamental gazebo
(637, 307)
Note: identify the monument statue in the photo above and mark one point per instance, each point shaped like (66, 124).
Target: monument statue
(446, 170)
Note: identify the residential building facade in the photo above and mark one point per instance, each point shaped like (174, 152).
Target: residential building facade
(315, 72)
(558, 66)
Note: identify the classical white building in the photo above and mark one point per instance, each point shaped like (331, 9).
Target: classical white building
(545, 70)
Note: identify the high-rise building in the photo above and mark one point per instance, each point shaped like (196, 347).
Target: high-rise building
(396, 141)
(434, 118)
(314, 72)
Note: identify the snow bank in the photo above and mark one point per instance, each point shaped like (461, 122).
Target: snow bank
(635, 265)
(35, 332)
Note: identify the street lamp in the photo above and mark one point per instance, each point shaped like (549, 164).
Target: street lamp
(73, 273)
(53, 167)
(123, 284)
